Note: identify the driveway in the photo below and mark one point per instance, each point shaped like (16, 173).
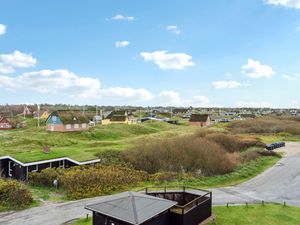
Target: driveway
(280, 183)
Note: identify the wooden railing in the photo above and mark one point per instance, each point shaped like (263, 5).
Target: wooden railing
(181, 209)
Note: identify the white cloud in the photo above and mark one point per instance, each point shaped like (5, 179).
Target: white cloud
(2, 29)
(293, 77)
(119, 93)
(173, 98)
(254, 104)
(17, 59)
(168, 61)
(285, 3)
(122, 44)
(174, 29)
(64, 82)
(53, 82)
(170, 98)
(222, 84)
(255, 69)
(121, 17)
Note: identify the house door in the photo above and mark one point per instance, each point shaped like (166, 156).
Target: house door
(52, 127)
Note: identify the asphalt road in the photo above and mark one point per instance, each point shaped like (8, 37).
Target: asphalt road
(280, 183)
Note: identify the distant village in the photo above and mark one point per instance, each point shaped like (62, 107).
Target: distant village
(64, 118)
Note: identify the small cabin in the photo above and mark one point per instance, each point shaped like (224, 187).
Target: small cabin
(173, 207)
(201, 120)
(66, 120)
(15, 169)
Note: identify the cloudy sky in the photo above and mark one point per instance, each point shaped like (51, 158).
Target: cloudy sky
(129, 52)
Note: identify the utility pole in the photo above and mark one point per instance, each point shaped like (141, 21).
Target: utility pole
(39, 107)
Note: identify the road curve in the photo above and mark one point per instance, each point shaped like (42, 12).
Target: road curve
(280, 183)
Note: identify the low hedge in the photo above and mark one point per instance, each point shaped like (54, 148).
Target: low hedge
(14, 194)
(89, 181)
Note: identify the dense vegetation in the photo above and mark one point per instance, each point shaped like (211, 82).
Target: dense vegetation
(206, 153)
(89, 181)
(267, 125)
(14, 195)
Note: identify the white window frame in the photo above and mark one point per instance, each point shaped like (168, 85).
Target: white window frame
(76, 126)
(68, 127)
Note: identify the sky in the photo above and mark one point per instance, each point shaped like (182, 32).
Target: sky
(201, 53)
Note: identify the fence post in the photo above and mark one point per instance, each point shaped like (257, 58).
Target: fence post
(227, 205)
(262, 202)
(87, 216)
(284, 204)
(246, 204)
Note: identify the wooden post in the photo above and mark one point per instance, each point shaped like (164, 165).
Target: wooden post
(87, 216)
(284, 204)
(227, 205)
(246, 204)
(262, 202)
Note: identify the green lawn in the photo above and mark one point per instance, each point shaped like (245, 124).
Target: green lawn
(271, 214)
(26, 144)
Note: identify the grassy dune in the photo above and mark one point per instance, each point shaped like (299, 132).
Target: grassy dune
(26, 144)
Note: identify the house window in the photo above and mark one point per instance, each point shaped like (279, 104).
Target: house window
(76, 126)
(83, 125)
(68, 126)
(33, 168)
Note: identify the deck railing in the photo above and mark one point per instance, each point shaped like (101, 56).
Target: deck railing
(181, 209)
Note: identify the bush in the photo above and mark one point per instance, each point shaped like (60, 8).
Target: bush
(45, 177)
(234, 143)
(13, 194)
(181, 154)
(89, 181)
(269, 125)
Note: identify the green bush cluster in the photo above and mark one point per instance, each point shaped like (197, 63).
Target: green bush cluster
(185, 154)
(14, 194)
(89, 181)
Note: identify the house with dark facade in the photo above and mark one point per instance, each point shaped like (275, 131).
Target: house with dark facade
(185, 207)
(201, 120)
(13, 168)
(68, 120)
(5, 124)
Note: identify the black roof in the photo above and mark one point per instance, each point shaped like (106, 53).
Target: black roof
(199, 117)
(131, 207)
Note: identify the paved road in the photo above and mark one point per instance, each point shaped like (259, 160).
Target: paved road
(278, 184)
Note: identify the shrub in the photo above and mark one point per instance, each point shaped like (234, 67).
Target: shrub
(181, 154)
(268, 125)
(89, 181)
(45, 177)
(13, 194)
(109, 157)
(234, 143)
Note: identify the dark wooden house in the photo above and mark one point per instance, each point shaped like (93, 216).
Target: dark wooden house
(13, 168)
(153, 208)
(202, 120)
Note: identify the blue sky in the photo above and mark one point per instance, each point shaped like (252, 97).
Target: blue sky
(229, 53)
